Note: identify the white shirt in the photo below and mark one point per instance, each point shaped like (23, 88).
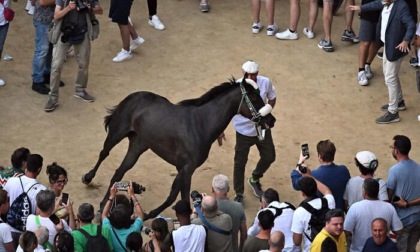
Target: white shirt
(281, 223)
(360, 216)
(5, 235)
(245, 126)
(386, 11)
(40, 248)
(353, 192)
(45, 222)
(301, 217)
(14, 189)
(190, 238)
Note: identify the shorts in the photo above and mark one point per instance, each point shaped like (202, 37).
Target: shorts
(367, 32)
(119, 11)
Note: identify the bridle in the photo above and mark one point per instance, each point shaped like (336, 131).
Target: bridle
(256, 115)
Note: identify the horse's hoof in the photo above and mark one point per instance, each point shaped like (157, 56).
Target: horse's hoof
(86, 180)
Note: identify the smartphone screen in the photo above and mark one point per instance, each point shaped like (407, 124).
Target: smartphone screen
(65, 198)
(305, 150)
(123, 185)
(54, 218)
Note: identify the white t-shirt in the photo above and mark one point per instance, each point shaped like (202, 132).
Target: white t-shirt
(353, 192)
(301, 217)
(190, 238)
(386, 11)
(45, 222)
(281, 223)
(14, 189)
(40, 248)
(5, 235)
(244, 125)
(360, 216)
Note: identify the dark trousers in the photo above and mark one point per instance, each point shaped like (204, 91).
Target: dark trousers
(267, 157)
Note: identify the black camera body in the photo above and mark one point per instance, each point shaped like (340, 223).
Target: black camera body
(196, 198)
(147, 230)
(302, 169)
(124, 185)
(68, 31)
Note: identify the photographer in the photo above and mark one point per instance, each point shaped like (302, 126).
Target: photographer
(75, 32)
(219, 224)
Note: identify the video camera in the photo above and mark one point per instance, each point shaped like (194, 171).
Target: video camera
(124, 185)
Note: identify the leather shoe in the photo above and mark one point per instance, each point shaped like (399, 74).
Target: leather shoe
(40, 88)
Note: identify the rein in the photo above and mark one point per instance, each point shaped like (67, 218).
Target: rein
(256, 116)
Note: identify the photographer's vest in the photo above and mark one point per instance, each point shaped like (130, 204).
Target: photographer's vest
(74, 19)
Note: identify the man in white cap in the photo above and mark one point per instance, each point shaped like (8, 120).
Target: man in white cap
(367, 163)
(246, 136)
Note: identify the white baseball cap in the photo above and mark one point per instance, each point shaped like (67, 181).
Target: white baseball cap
(250, 67)
(367, 159)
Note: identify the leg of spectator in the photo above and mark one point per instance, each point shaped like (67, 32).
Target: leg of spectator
(267, 155)
(327, 19)
(348, 15)
(59, 54)
(294, 14)
(242, 147)
(313, 14)
(152, 5)
(391, 70)
(414, 236)
(256, 6)
(82, 53)
(270, 5)
(3, 34)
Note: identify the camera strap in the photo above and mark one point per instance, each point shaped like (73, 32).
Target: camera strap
(209, 225)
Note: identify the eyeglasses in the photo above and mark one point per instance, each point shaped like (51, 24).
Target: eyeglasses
(63, 181)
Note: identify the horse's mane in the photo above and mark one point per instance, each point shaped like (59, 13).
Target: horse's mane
(210, 95)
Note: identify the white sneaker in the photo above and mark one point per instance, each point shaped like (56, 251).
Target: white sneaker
(155, 22)
(287, 34)
(2, 83)
(28, 5)
(368, 72)
(256, 27)
(136, 43)
(361, 77)
(129, 20)
(272, 29)
(308, 33)
(122, 56)
(31, 10)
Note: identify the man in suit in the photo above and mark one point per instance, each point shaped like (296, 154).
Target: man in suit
(395, 30)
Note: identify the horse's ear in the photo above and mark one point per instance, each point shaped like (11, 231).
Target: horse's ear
(244, 78)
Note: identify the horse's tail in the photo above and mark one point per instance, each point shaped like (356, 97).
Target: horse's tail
(108, 118)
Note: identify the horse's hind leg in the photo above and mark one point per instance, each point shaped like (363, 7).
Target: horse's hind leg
(135, 149)
(112, 139)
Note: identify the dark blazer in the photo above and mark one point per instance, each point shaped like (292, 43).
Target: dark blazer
(401, 26)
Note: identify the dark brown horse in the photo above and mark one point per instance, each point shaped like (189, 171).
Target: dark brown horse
(180, 134)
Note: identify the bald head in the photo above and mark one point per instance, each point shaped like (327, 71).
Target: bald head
(276, 241)
(209, 204)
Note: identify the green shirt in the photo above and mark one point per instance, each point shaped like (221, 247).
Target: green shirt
(80, 240)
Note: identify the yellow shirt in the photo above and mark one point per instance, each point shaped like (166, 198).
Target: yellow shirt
(341, 242)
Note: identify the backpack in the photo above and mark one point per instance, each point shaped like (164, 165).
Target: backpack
(97, 242)
(317, 221)
(279, 210)
(20, 209)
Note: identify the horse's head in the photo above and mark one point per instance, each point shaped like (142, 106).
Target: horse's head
(252, 106)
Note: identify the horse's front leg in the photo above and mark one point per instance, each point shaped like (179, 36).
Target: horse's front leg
(186, 186)
(135, 149)
(177, 185)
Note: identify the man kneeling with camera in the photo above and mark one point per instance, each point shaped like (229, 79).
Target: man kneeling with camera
(218, 224)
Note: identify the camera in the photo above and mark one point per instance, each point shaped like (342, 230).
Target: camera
(147, 230)
(68, 31)
(196, 198)
(124, 185)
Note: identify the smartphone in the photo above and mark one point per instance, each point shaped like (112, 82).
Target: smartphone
(64, 198)
(54, 218)
(305, 150)
(395, 198)
(176, 224)
(122, 185)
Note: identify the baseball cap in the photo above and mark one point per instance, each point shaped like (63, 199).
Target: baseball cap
(182, 207)
(250, 67)
(367, 159)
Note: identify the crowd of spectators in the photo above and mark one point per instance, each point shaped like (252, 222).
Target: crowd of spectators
(364, 221)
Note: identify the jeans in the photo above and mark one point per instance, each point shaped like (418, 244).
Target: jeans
(409, 237)
(41, 63)
(3, 34)
(267, 157)
(391, 71)
(82, 53)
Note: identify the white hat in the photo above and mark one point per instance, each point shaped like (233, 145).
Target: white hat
(367, 159)
(250, 67)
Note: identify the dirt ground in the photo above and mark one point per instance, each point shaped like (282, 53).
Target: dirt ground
(318, 96)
